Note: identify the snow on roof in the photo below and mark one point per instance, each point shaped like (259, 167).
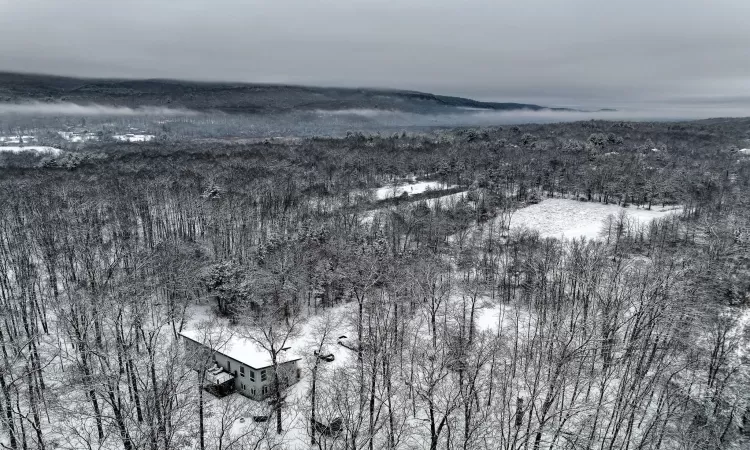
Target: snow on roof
(237, 347)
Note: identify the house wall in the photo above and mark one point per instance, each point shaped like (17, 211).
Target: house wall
(247, 385)
(254, 389)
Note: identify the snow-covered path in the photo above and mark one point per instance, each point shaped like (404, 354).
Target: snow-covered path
(411, 189)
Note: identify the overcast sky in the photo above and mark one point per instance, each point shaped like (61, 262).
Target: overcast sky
(554, 52)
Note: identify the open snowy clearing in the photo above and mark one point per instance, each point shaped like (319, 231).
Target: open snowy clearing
(562, 218)
(30, 148)
(421, 187)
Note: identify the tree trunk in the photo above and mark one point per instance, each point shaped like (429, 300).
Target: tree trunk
(201, 424)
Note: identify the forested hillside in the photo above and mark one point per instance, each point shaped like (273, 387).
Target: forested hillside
(230, 97)
(462, 331)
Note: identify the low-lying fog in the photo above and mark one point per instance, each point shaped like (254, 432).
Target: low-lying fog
(479, 117)
(74, 109)
(319, 122)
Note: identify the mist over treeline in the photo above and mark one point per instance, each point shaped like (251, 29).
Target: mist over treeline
(213, 109)
(45, 109)
(48, 119)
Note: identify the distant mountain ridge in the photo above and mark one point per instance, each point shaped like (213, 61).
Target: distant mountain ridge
(245, 98)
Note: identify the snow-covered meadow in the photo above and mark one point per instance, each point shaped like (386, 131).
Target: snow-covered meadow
(568, 219)
(29, 148)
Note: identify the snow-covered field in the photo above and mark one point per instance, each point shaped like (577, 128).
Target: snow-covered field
(392, 191)
(77, 137)
(562, 218)
(16, 139)
(558, 218)
(130, 137)
(30, 148)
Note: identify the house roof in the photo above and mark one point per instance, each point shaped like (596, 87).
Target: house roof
(238, 348)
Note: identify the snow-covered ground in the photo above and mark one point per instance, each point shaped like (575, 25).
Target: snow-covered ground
(446, 200)
(562, 218)
(130, 137)
(30, 148)
(411, 189)
(492, 317)
(743, 329)
(503, 318)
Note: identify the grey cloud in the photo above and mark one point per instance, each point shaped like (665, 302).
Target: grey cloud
(573, 52)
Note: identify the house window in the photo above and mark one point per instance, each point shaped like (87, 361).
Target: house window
(252, 376)
(252, 391)
(299, 372)
(229, 366)
(242, 371)
(265, 390)
(243, 387)
(263, 375)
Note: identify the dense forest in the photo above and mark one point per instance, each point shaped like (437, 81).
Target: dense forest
(635, 340)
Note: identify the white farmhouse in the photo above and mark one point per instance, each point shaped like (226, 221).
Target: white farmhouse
(237, 364)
